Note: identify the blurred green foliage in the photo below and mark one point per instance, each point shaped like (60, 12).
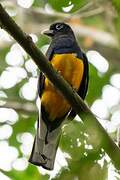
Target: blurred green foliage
(116, 4)
(60, 4)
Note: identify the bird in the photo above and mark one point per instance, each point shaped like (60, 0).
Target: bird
(71, 62)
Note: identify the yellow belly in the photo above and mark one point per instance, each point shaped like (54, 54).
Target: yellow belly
(71, 68)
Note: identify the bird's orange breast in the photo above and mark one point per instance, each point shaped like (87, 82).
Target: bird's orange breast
(71, 68)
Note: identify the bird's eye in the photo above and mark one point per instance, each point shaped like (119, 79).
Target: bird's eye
(59, 26)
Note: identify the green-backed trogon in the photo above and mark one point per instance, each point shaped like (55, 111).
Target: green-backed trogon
(71, 62)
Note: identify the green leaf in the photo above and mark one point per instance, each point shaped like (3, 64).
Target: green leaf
(59, 5)
(30, 173)
(3, 53)
(38, 3)
(116, 3)
(42, 40)
(73, 135)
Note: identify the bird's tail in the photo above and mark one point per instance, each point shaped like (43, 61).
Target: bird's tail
(45, 146)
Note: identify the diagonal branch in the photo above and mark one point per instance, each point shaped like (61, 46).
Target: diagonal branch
(93, 127)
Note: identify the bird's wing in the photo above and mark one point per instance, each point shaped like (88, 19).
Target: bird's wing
(41, 78)
(84, 84)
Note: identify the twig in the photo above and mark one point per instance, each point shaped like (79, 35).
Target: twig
(93, 127)
(85, 7)
(27, 108)
(92, 12)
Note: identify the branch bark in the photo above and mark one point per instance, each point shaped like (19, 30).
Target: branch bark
(93, 127)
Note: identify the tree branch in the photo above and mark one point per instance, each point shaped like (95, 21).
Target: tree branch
(27, 108)
(93, 127)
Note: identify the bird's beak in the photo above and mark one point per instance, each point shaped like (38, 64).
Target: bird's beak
(48, 32)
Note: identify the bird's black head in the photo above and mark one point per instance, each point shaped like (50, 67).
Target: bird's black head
(59, 28)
